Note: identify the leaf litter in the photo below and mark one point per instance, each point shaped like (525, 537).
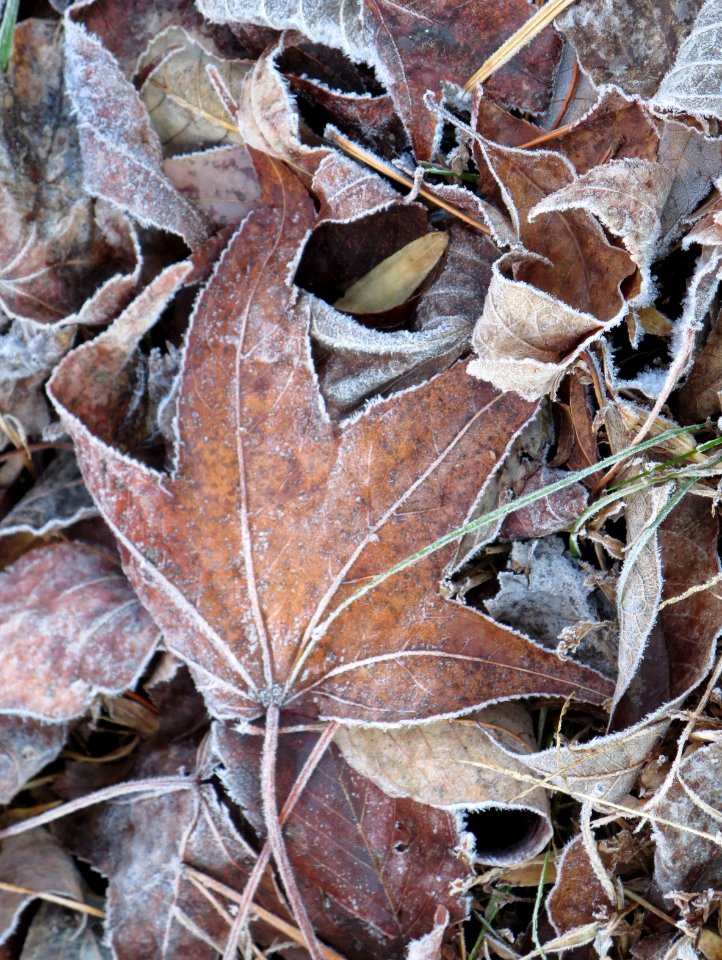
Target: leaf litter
(306, 642)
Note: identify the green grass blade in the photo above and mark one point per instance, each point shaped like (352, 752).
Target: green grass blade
(7, 29)
(499, 514)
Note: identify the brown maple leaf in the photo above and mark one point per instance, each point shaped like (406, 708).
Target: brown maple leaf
(256, 555)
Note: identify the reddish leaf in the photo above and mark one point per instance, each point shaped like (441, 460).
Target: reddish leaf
(61, 256)
(372, 868)
(70, 628)
(297, 513)
(439, 43)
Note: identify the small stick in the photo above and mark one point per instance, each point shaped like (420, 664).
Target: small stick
(568, 99)
(524, 35)
(358, 153)
(544, 137)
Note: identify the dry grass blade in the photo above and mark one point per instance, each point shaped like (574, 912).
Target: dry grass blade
(524, 35)
(199, 880)
(54, 898)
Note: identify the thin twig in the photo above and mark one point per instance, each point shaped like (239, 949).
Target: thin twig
(68, 902)
(363, 156)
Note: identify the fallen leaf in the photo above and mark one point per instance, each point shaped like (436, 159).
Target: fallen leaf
(630, 43)
(692, 84)
(454, 765)
(355, 362)
(181, 101)
(61, 258)
(391, 282)
(439, 45)
(699, 398)
(206, 605)
(36, 861)
(683, 861)
(55, 932)
(372, 867)
(121, 152)
(696, 162)
(575, 873)
(222, 183)
(71, 628)
(26, 746)
(57, 500)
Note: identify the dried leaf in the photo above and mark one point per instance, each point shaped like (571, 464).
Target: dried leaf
(695, 161)
(347, 525)
(683, 861)
(71, 627)
(436, 764)
(55, 932)
(439, 45)
(567, 906)
(372, 868)
(700, 396)
(692, 85)
(56, 249)
(57, 499)
(395, 279)
(36, 861)
(121, 151)
(222, 183)
(26, 746)
(628, 196)
(630, 43)
(181, 101)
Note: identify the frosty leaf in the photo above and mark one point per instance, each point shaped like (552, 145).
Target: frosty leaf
(526, 339)
(121, 152)
(683, 861)
(630, 43)
(454, 765)
(692, 85)
(256, 630)
(356, 362)
(628, 196)
(695, 161)
(222, 183)
(640, 583)
(36, 861)
(438, 45)
(372, 868)
(28, 354)
(58, 499)
(575, 263)
(182, 103)
(26, 746)
(566, 908)
(700, 397)
(71, 627)
(56, 249)
(55, 932)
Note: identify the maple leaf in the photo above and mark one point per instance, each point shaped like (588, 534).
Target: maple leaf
(253, 553)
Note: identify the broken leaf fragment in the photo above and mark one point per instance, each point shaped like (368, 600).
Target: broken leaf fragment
(394, 280)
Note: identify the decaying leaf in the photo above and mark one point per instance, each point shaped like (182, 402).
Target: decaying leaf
(56, 932)
(455, 765)
(439, 45)
(121, 151)
(566, 907)
(183, 105)
(631, 43)
(71, 628)
(37, 862)
(26, 746)
(372, 867)
(692, 84)
(682, 861)
(57, 500)
(57, 249)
